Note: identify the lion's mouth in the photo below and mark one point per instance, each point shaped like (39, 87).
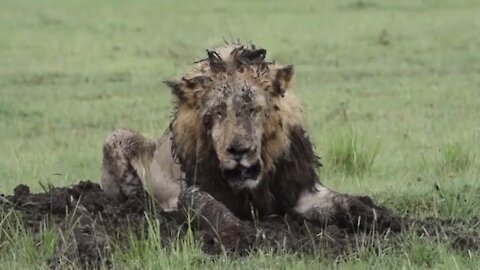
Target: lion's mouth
(241, 173)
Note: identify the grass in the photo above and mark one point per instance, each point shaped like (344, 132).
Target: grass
(455, 158)
(390, 90)
(350, 154)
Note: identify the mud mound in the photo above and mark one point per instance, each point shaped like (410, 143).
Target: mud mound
(88, 220)
(89, 223)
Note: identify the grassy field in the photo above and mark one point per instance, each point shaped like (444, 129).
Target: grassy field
(391, 91)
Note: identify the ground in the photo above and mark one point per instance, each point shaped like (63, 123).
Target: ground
(390, 92)
(85, 227)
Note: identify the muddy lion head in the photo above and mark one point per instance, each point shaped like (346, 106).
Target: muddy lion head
(232, 114)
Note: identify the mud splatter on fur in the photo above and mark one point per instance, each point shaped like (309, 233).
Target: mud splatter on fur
(250, 100)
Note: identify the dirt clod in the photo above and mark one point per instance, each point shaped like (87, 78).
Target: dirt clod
(21, 190)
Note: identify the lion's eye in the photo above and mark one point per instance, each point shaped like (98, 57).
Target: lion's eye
(255, 110)
(219, 114)
(207, 120)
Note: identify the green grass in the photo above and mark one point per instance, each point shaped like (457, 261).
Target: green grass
(390, 89)
(350, 154)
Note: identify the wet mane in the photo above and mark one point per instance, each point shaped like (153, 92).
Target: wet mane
(235, 57)
(290, 164)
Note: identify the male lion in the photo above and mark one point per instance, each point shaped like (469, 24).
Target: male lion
(237, 134)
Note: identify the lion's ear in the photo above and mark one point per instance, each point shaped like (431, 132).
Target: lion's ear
(282, 76)
(187, 89)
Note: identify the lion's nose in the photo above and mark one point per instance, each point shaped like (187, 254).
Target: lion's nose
(239, 150)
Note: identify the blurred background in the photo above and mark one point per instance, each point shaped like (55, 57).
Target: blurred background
(390, 88)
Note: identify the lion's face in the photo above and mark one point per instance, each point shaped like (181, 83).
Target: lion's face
(228, 105)
(234, 117)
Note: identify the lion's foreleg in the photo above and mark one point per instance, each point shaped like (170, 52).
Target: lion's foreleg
(317, 205)
(133, 164)
(120, 180)
(329, 207)
(213, 217)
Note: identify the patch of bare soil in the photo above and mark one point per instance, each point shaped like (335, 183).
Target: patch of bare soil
(89, 223)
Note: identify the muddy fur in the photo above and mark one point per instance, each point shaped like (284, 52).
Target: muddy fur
(121, 146)
(289, 163)
(279, 189)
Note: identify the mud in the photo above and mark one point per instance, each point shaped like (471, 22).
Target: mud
(91, 225)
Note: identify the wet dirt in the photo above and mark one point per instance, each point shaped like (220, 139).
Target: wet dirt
(89, 223)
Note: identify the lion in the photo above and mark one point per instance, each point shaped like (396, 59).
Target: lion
(238, 134)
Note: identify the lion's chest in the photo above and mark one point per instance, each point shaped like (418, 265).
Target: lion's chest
(262, 201)
(247, 203)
